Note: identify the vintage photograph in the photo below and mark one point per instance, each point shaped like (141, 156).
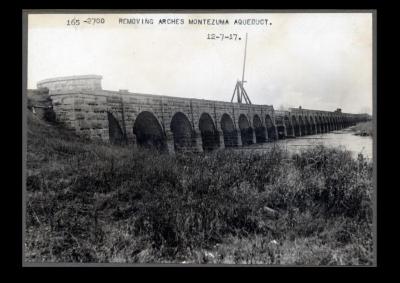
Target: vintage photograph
(191, 138)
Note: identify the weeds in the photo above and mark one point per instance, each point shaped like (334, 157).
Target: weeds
(102, 203)
(363, 129)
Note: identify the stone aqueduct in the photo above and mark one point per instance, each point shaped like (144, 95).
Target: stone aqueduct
(178, 124)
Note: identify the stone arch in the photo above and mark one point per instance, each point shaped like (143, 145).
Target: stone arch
(148, 131)
(308, 125)
(182, 131)
(331, 123)
(246, 132)
(322, 123)
(288, 126)
(281, 129)
(303, 128)
(271, 129)
(296, 127)
(338, 123)
(318, 124)
(259, 129)
(115, 133)
(313, 126)
(335, 125)
(326, 124)
(209, 133)
(229, 131)
(324, 129)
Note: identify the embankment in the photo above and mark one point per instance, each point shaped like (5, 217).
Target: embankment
(93, 202)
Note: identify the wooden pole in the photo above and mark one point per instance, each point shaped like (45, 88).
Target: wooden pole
(244, 59)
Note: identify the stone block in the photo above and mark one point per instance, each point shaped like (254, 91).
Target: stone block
(79, 116)
(96, 125)
(99, 109)
(79, 101)
(84, 125)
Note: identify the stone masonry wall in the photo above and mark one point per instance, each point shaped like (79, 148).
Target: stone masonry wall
(80, 103)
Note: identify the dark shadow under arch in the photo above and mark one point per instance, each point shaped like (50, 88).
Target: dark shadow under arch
(302, 126)
(281, 131)
(326, 124)
(229, 131)
(317, 125)
(184, 136)
(209, 134)
(288, 126)
(313, 125)
(333, 124)
(307, 125)
(148, 131)
(271, 130)
(259, 129)
(296, 127)
(246, 131)
(321, 124)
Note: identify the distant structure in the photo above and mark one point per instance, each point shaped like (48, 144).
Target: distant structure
(173, 124)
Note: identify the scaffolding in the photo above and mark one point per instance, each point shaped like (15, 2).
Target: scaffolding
(239, 90)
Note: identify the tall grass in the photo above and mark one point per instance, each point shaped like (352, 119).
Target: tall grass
(91, 202)
(363, 129)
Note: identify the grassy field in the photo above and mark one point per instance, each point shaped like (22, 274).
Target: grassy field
(93, 202)
(363, 129)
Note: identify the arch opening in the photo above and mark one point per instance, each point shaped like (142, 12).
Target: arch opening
(322, 124)
(313, 125)
(259, 129)
(229, 131)
(182, 131)
(271, 130)
(319, 126)
(326, 125)
(281, 131)
(302, 126)
(330, 123)
(336, 123)
(288, 126)
(209, 134)
(296, 127)
(148, 131)
(246, 132)
(307, 125)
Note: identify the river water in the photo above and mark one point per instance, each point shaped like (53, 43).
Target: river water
(344, 139)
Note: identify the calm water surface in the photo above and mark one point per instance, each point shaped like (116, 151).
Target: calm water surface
(344, 139)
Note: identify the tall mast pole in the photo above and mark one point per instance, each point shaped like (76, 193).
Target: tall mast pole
(244, 59)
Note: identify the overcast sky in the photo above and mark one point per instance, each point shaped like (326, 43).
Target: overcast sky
(319, 61)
